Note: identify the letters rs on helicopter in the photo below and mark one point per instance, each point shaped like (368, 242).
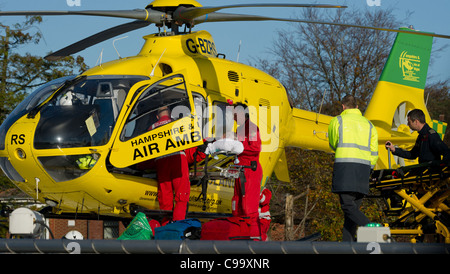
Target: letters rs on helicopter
(17, 139)
(201, 46)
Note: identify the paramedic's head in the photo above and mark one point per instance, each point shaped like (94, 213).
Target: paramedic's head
(349, 101)
(416, 119)
(163, 111)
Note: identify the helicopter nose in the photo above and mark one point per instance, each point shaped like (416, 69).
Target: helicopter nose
(6, 154)
(20, 164)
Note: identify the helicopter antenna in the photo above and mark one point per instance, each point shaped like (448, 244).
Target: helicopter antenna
(320, 108)
(114, 46)
(99, 59)
(153, 71)
(239, 51)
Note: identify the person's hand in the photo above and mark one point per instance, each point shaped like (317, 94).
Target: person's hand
(390, 146)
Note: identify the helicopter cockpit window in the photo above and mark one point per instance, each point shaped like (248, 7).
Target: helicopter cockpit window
(31, 101)
(83, 114)
(167, 97)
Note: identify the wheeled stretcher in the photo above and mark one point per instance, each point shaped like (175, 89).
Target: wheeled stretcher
(417, 198)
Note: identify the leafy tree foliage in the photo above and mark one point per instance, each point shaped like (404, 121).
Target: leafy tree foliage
(20, 73)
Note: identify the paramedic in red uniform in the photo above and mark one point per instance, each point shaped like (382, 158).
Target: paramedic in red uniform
(173, 176)
(247, 204)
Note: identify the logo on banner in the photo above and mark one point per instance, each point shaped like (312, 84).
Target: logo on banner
(410, 65)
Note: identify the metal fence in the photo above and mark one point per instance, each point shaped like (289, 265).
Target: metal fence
(63, 246)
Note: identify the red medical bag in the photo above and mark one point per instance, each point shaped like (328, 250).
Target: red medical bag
(231, 228)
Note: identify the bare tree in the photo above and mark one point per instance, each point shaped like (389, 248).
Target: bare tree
(319, 64)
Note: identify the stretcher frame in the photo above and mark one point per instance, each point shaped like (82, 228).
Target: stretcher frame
(424, 191)
(219, 165)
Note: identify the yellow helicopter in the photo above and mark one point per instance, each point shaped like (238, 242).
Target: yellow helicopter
(75, 143)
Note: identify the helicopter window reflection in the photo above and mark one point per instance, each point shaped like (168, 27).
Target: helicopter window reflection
(83, 114)
(168, 93)
(68, 167)
(9, 170)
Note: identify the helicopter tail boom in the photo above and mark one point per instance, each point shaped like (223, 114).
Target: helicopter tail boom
(308, 130)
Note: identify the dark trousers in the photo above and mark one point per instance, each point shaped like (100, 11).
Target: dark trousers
(353, 217)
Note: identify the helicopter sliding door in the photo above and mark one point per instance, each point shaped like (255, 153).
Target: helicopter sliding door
(161, 120)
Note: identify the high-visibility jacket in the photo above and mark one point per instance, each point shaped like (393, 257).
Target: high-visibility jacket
(355, 142)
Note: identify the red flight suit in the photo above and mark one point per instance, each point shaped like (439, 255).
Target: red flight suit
(191, 157)
(173, 179)
(247, 205)
(264, 213)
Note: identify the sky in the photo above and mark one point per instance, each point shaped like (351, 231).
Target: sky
(250, 39)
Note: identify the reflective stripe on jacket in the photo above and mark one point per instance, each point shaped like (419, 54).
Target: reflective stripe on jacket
(353, 138)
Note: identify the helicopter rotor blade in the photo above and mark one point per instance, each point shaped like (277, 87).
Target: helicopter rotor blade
(148, 15)
(96, 38)
(188, 14)
(228, 17)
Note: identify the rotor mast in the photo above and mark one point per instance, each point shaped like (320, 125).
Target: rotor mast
(169, 8)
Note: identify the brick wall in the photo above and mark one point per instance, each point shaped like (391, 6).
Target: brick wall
(90, 229)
